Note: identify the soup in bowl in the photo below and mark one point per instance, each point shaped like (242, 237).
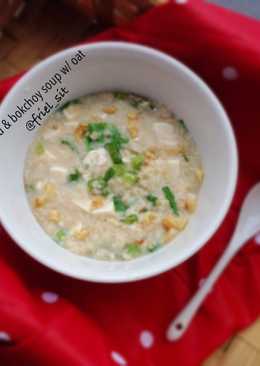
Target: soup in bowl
(123, 168)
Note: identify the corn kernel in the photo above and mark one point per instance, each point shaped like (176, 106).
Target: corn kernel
(133, 131)
(40, 201)
(180, 223)
(172, 222)
(169, 235)
(190, 203)
(173, 151)
(94, 118)
(81, 234)
(199, 174)
(54, 216)
(80, 131)
(97, 202)
(148, 218)
(110, 110)
(49, 189)
(149, 155)
(168, 222)
(132, 116)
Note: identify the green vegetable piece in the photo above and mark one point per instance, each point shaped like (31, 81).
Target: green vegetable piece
(90, 145)
(119, 205)
(151, 198)
(60, 235)
(183, 125)
(30, 187)
(141, 102)
(134, 249)
(116, 136)
(70, 144)
(185, 157)
(119, 169)
(130, 178)
(39, 148)
(94, 184)
(95, 135)
(110, 173)
(130, 219)
(169, 195)
(135, 102)
(66, 105)
(114, 152)
(152, 105)
(120, 95)
(137, 162)
(105, 134)
(98, 185)
(147, 103)
(75, 176)
(97, 127)
(152, 248)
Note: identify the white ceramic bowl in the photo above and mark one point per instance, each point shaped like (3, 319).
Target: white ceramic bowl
(121, 66)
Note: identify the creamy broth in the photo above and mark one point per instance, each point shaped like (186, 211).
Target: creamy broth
(113, 176)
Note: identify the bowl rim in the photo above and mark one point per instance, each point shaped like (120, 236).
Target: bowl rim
(233, 175)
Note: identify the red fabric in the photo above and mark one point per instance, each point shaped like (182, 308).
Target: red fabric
(89, 321)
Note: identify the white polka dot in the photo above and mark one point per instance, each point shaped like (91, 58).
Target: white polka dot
(119, 359)
(146, 339)
(4, 337)
(230, 73)
(50, 297)
(181, 1)
(257, 239)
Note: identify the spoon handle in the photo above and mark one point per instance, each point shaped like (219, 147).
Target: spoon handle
(179, 325)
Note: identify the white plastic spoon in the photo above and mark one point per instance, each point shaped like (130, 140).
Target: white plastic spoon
(248, 225)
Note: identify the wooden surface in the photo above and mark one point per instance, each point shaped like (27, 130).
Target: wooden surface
(241, 350)
(39, 33)
(43, 28)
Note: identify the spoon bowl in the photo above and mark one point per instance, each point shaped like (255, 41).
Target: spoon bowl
(247, 226)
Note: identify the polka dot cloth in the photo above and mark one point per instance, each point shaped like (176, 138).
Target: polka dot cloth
(118, 358)
(4, 337)
(49, 297)
(95, 316)
(230, 73)
(146, 339)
